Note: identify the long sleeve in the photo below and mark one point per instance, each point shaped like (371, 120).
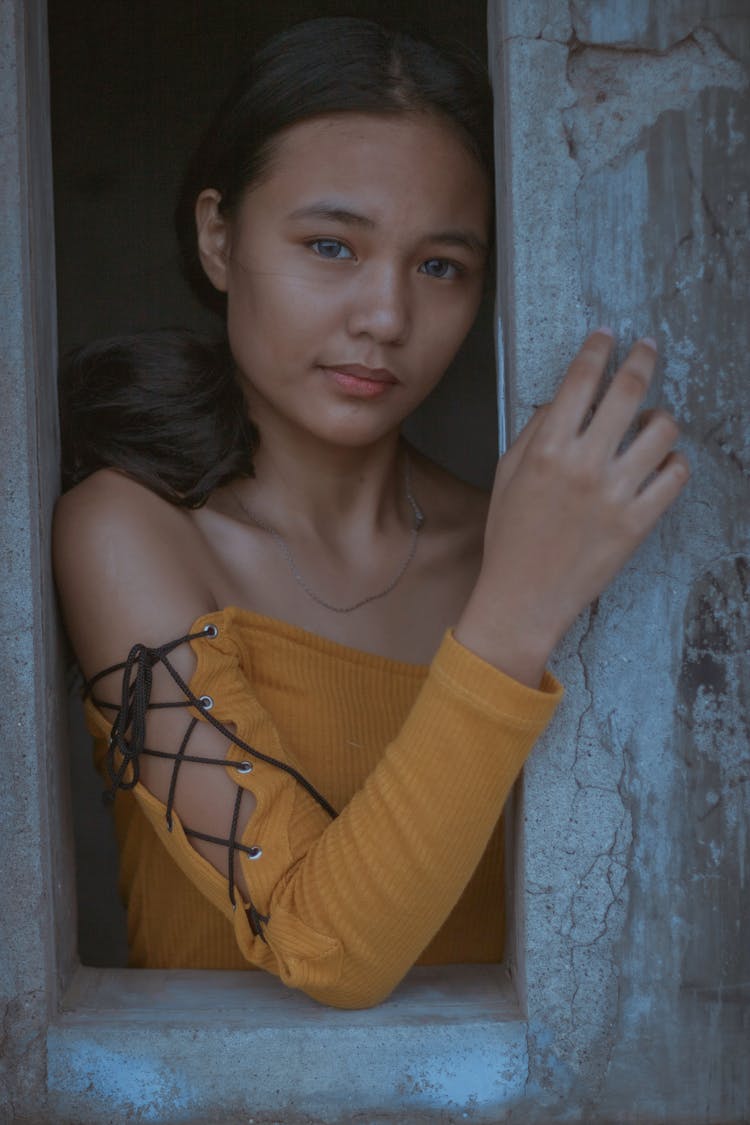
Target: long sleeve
(349, 903)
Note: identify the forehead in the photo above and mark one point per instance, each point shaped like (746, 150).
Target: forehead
(413, 163)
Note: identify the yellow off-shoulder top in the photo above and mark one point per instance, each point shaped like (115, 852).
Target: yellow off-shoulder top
(417, 762)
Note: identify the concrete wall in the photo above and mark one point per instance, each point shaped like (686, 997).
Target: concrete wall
(624, 198)
(624, 144)
(37, 896)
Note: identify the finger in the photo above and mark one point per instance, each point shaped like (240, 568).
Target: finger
(647, 452)
(663, 489)
(578, 390)
(513, 456)
(619, 406)
(645, 417)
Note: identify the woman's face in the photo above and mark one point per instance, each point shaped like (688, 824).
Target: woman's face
(353, 271)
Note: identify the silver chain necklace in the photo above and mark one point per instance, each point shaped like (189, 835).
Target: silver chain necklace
(286, 550)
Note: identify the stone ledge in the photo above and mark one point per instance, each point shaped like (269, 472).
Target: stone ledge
(199, 1046)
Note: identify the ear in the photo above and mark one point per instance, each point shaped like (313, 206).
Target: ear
(213, 238)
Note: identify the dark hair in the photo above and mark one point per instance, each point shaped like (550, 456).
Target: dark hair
(164, 407)
(324, 66)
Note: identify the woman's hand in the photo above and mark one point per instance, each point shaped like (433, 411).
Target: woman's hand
(569, 506)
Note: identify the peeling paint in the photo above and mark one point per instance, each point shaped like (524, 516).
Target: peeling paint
(626, 874)
(610, 112)
(318, 1073)
(127, 1080)
(627, 174)
(635, 24)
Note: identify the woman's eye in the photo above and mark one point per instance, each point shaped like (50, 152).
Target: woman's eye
(441, 269)
(331, 249)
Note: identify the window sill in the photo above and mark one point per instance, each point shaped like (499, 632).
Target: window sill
(207, 1046)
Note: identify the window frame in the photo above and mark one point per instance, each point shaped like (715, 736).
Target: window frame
(101, 1044)
(600, 1018)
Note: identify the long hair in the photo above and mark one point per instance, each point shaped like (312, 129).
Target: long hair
(166, 407)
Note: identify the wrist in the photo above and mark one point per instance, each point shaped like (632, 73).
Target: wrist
(519, 648)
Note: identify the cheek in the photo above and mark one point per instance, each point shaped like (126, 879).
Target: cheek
(279, 317)
(446, 324)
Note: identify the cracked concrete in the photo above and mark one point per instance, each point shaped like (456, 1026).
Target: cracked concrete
(607, 116)
(625, 199)
(628, 204)
(641, 25)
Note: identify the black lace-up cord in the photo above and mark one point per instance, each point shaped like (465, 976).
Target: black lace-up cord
(178, 759)
(192, 759)
(131, 713)
(156, 654)
(103, 703)
(128, 737)
(298, 777)
(160, 654)
(248, 849)
(131, 716)
(256, 919)
(232, 844)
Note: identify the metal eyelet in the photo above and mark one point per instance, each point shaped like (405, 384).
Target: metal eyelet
(210, 631)
(244, 767)
(254, 853)
(206, 702)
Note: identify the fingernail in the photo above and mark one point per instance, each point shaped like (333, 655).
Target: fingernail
(650, 342)
(605, 330)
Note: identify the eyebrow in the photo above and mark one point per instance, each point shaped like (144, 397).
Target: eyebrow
(460, 238)
(338, 214)
(334, 212)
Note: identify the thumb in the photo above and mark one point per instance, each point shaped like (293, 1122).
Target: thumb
(512, 458)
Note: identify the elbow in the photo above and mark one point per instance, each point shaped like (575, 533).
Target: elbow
(337, 979)
(352, 994)
(326, 968)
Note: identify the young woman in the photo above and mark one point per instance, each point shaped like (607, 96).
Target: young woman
(318, 659)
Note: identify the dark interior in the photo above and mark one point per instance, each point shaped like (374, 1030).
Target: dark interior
(132, 86)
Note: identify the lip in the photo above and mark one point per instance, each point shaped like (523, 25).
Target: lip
(360, 381)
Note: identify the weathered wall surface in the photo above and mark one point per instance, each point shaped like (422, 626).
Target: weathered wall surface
(627, 173)
(624, 156)
(36, 869)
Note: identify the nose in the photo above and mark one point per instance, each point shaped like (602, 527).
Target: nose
(379, 304)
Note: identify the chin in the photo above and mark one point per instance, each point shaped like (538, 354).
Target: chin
(356, 437)
(355, 427)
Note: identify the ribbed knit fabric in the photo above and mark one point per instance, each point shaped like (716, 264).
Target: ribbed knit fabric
(417, 760)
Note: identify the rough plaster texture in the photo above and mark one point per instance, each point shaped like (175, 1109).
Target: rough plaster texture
(435, 1051)
(625, 199)
(35, 871)
(627, 203)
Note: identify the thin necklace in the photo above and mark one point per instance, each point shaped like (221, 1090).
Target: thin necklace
(286, 550)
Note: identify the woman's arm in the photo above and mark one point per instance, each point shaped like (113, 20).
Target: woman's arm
(341, 908)
(123, 566)
(347, 905)
(569, 507)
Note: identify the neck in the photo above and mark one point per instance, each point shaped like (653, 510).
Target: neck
(325, 490)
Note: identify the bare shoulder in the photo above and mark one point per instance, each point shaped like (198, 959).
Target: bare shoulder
(122, 558)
